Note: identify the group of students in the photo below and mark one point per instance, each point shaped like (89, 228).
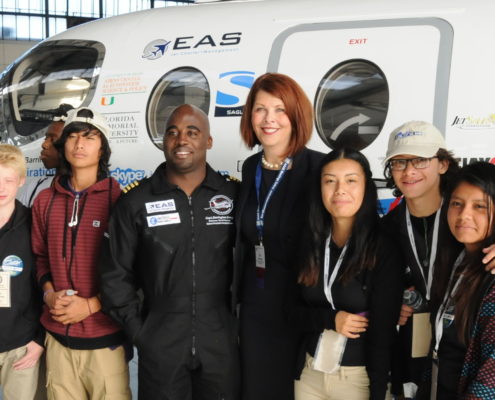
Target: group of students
(306, 307)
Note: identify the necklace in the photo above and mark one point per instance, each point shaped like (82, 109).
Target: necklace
(270, 165)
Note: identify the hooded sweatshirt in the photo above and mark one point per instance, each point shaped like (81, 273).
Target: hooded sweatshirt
(67, 235)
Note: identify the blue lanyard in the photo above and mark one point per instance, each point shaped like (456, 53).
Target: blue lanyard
(260, 214)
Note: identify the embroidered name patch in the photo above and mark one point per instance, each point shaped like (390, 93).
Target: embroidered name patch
(163, 219)
(160, 206)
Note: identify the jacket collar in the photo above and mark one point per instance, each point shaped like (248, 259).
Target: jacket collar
(160, 184)
(100, 186)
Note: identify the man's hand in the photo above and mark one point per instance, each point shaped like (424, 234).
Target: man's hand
(33, 354)
(489, 259)
(350, 325)
(71, 309)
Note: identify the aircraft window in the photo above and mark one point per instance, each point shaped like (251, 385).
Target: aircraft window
(53, 73)
(351, 104)
(179, 86)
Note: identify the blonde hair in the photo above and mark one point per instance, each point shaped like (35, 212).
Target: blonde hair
(12, 157)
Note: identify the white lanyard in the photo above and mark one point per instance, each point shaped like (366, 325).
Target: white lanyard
(434, 245)
(449, 294)
(327, 283)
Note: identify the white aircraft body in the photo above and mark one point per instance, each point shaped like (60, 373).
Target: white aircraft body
(368, 66)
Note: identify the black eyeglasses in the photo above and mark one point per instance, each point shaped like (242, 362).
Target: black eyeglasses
(400, 164)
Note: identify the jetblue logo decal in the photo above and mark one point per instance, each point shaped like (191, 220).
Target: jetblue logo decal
(126, 176)
(155, 49)
(233, 89)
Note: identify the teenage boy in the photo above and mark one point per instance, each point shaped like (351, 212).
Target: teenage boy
(419, 168)
(167, 269)
(49, 157)
(21, 335)
(85, 357)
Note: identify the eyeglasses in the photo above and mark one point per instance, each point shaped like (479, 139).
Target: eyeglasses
(400, 164)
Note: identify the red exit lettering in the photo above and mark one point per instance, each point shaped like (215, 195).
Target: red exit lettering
(358, 41)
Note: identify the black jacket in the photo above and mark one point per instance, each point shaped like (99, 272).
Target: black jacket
(305, 164)
(176, 249)
(19, 323)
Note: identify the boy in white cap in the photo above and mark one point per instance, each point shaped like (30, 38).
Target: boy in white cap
(418, 167)
(85, 357)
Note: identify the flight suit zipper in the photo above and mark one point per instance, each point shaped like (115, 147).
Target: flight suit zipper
(193, 296)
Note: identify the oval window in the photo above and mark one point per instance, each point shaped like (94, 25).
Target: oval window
(55, 72)
(351, 104)
(185, 85)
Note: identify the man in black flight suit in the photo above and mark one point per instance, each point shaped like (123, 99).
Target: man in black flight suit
(166, 269)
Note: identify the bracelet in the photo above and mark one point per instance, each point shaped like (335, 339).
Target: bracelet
(45, 293)
(89, 308)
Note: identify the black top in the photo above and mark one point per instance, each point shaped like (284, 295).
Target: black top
(379, 292)
(276, 272)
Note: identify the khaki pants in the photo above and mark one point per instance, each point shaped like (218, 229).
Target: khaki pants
(21, 384)
(100, 374)
(349, 383)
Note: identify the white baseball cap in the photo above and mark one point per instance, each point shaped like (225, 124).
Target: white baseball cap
(417, 138)
(98, 120)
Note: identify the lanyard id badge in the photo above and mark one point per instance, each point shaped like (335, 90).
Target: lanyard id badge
(5, 289)
(259, 249)
(260, 263)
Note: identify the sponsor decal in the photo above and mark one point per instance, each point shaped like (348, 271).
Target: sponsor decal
(233, 86)
(38, 172)
(12, 264)
(188, 45)
(96, 224)
(163, 219)
(107, 100)
(126, 176)
(463, 161)
(155, 49)
(124, 127)
(402, 135)
(160, 206)
(122, 84)
(473, 122)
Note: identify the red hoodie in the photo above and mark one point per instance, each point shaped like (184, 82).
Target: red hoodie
(68, 256)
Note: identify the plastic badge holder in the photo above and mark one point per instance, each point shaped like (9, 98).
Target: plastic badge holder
(329, 351)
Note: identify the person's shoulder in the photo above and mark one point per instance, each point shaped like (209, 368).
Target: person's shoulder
(135, 188)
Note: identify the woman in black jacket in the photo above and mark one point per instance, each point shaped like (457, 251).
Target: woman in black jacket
(351, 285)
(270, 213)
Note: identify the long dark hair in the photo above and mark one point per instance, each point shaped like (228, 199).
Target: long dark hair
(65, 168)
(446, 179)
(481, 175)
(361, 252)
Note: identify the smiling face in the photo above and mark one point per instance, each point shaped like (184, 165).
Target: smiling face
(270, 123)
(186, 140)
(343, 185)
(417, 183)
(83, 149)
(470, 215)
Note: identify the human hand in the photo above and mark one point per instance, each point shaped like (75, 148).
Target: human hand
(57, 300)
(405, 313)
(350, 325)
(33, 354)
(76, 309)
(489, 259)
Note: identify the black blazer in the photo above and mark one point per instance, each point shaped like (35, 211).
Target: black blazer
(305, 167)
